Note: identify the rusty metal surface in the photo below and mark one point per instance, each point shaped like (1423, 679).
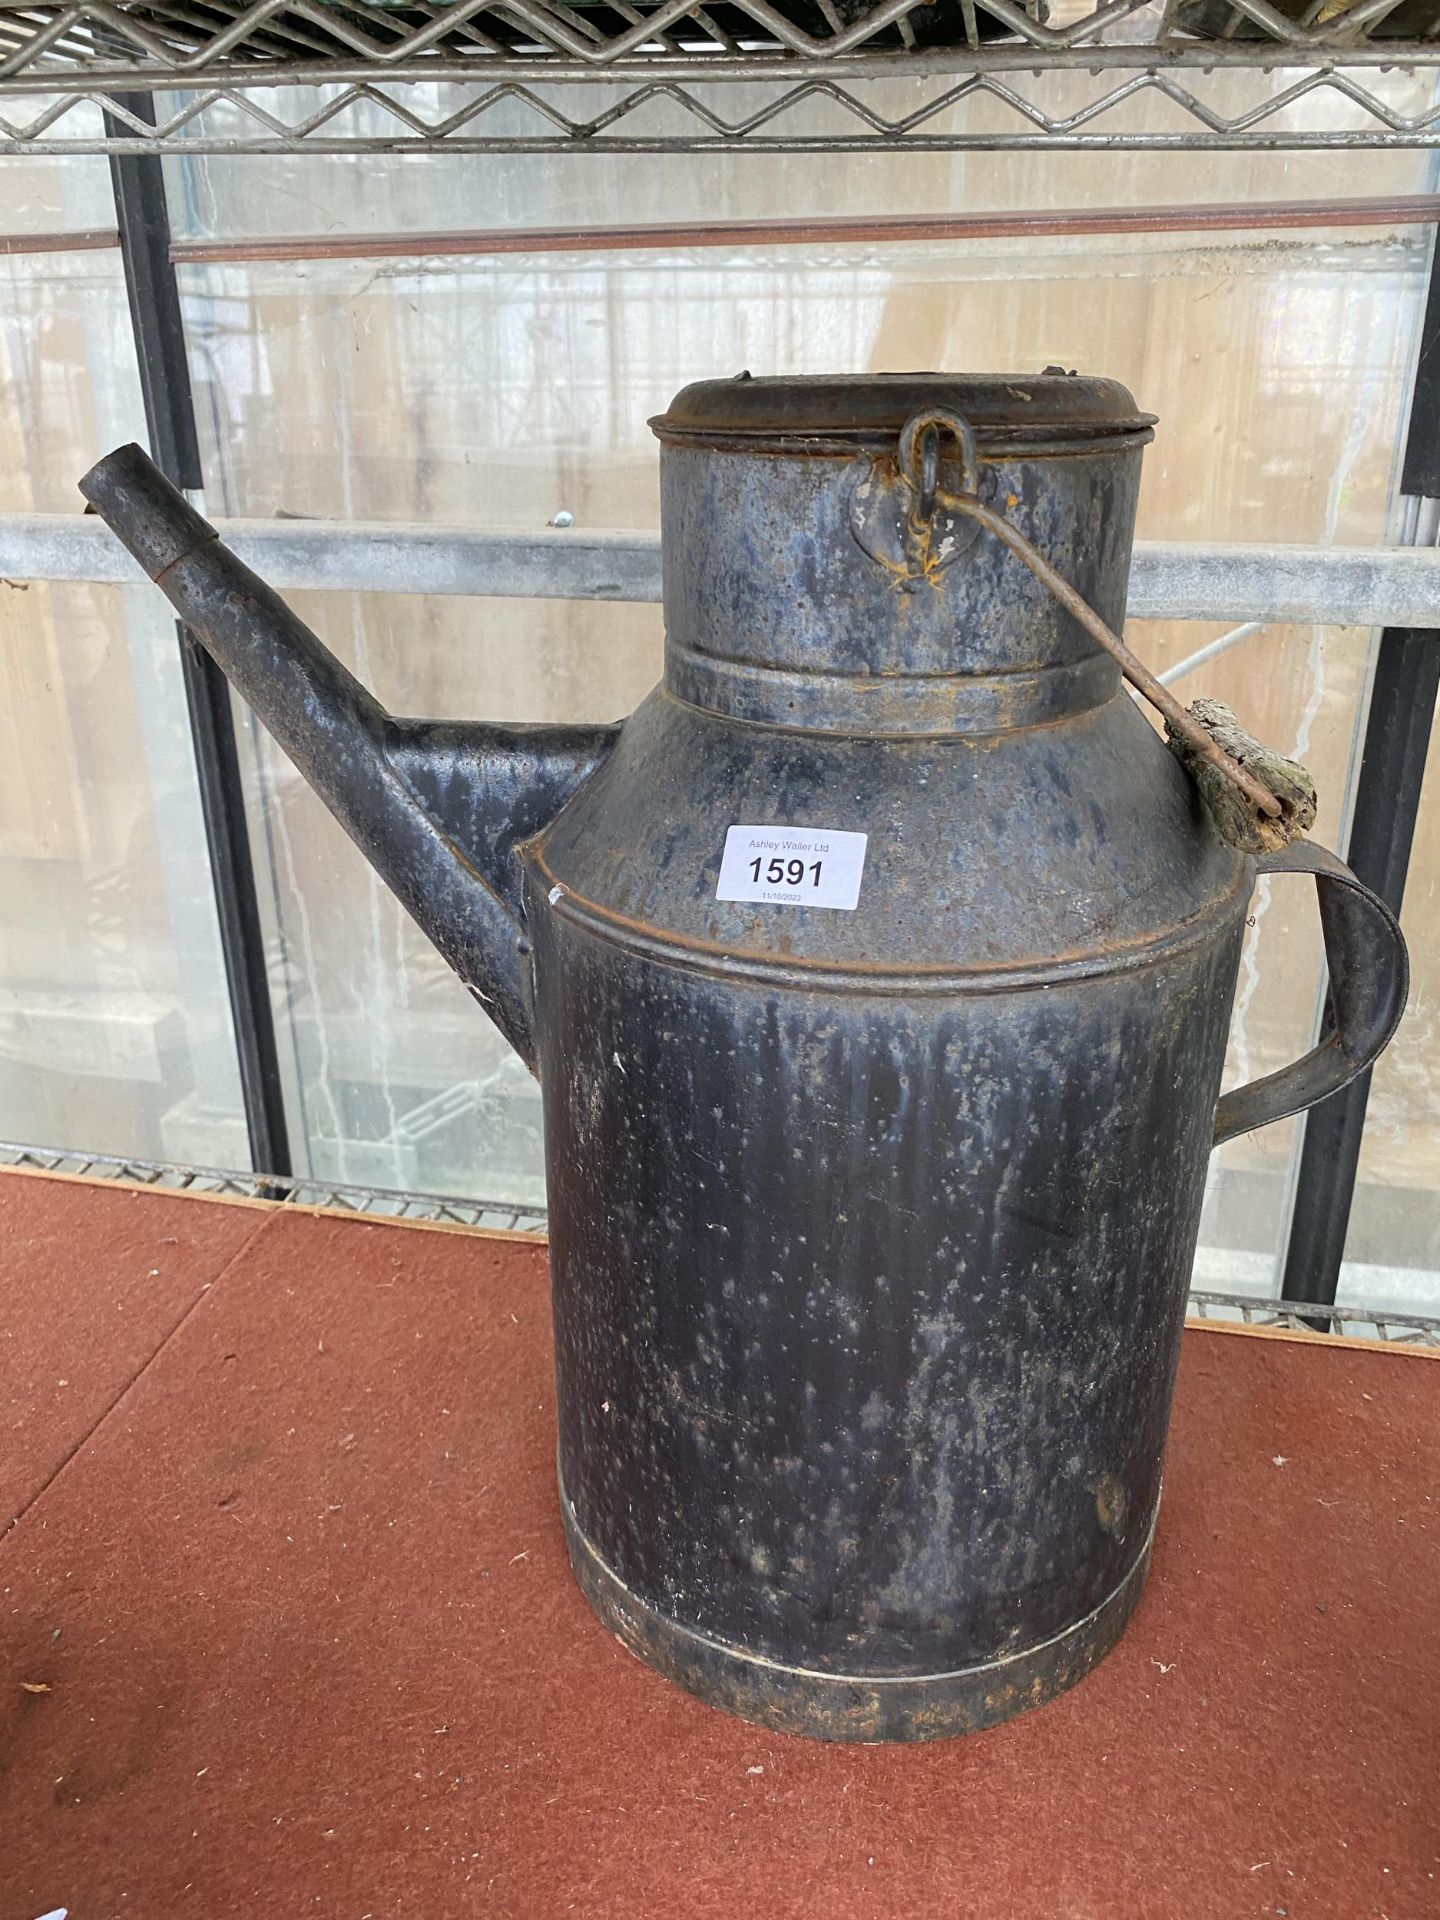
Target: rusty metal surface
(870, 1229)
(1010, 413)
(759, 496)
(828, 1706)
(82, 240)
(810, 1417)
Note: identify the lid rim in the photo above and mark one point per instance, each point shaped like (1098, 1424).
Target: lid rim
(991, 442)
(845, 413)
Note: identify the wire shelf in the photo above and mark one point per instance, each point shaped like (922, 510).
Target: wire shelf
(1299, 1316)
(392, 1203)
(221, 76)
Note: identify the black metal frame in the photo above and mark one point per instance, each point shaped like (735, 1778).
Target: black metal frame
(1382, 832)
(143, 220)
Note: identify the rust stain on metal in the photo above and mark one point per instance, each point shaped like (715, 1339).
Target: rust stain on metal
(1110, 1505)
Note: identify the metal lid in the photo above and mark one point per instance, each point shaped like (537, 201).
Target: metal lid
(1049, 412)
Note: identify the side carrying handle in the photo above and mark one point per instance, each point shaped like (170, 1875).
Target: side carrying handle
(1369, 981)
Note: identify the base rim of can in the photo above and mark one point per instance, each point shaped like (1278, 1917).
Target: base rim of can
(858, 1708)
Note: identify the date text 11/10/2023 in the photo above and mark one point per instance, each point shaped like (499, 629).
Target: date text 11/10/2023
(788, 866)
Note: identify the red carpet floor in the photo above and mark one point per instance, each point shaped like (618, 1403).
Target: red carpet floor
(288, 1628)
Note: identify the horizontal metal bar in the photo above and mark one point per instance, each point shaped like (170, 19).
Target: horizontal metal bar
(83, 240)
(1326, 586)
(1002, 56)
(603, 120)
(1416, 209)
(895, 141)
(363, 557)
(1330, 586)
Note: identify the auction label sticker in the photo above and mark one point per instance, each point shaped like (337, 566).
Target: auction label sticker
(793, 866)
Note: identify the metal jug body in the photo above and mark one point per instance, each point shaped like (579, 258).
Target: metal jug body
(871, 1226)
(877, 973)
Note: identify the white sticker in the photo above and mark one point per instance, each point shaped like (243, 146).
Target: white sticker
(793, 866)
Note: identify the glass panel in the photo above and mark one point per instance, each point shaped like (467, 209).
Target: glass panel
(114, 1027)
(48, 194)
(1392, 1252)
(394, 1078)
(500, 391)
(217, 198)
(1301, 690)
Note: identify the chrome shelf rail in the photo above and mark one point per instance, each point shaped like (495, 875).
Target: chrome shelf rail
(612, 75)
(1383, 1324)
(391, 1203)
(1169, 580)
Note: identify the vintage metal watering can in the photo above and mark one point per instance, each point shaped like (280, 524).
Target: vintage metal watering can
(877, 973)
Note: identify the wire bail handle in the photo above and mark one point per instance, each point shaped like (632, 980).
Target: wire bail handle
(919, 461)
(918, 465)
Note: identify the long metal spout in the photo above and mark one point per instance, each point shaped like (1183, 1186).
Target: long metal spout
(329, 725)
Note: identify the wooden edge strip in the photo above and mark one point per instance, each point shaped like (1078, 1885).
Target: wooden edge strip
(1308, 1337)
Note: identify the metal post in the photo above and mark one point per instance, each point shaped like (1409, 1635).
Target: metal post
(1387, 800)
(143, 220)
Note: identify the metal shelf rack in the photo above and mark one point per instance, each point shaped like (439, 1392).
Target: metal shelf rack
(389, 1203)
(352, 76)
